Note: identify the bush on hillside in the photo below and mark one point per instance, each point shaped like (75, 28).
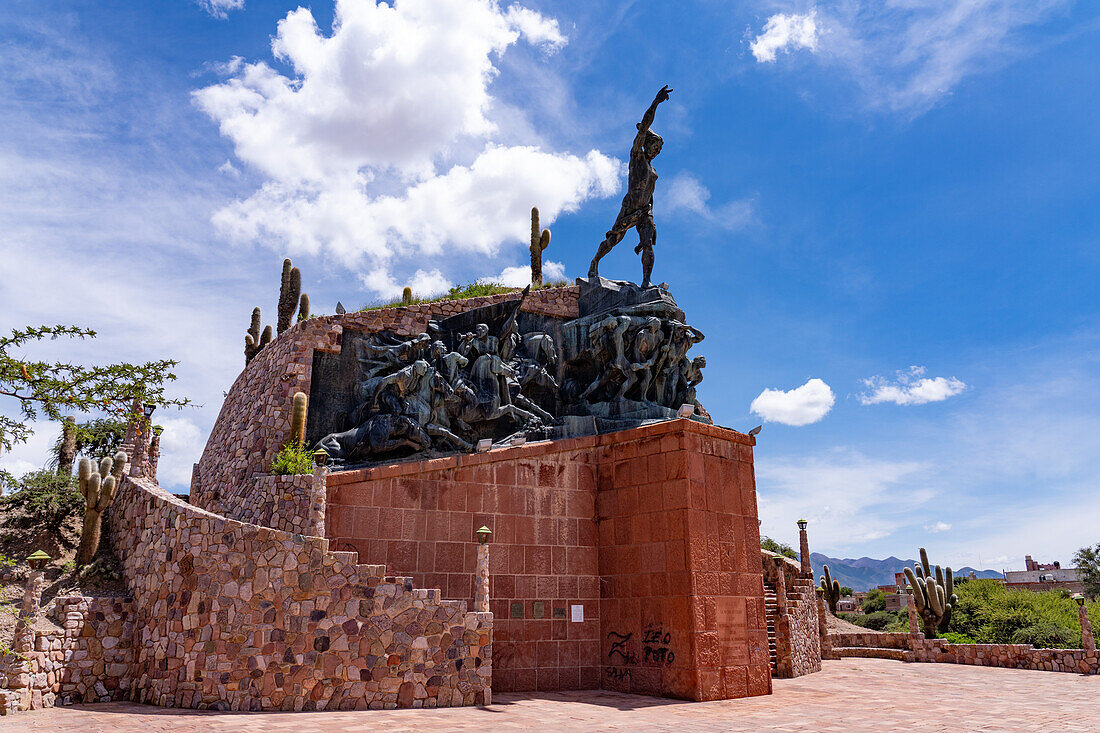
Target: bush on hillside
(874, 602)
(954, 638)
(1047, 635)
(40, 501)
(990, 613)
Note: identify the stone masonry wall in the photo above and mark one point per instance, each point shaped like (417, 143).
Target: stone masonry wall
(88, 661)
(279, 502)
(254, 420)
(539, 501)
(228, 615)
(915, 648)
(643, 532)
(798, 626)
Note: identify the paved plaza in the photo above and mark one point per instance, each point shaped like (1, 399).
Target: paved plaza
(848, 695)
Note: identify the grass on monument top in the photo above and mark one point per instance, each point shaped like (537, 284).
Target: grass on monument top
(461, 292)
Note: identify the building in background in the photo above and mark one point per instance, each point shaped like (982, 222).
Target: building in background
(1043, 576)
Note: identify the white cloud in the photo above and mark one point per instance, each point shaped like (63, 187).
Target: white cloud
(180, 445)
(800, 406)
(519, 277)
(937, 527)
(686, 193)
(907, 55)
(423, 284)
(847, 497)
(220, 8)
(229, 169)
(382, 146)
(535, 28)
(910, 388)
(785, 32)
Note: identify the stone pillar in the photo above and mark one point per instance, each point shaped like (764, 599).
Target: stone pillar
(804, 551)
(823, 625)
(319, 487)
(1088, 641)
(32, 606)
(154, 455)
(481, 579)
(914, 619)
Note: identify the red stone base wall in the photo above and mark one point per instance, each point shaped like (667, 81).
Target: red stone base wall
(650, 536)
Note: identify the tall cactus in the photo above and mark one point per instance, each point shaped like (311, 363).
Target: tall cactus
(254, 340)
(98, 484)
(290, 288)
(933, 594)
(298, 418)
(407, 296)
(303, 308)
(831, 587)
(539, 243)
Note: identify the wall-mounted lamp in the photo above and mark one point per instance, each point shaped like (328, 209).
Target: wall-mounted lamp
(685, 411)
(518, 440)
(484, 445)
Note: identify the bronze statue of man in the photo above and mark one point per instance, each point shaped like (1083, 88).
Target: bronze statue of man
(637, 208)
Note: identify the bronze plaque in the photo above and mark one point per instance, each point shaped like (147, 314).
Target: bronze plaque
(559, 612)
(540, 609)
(517, 609)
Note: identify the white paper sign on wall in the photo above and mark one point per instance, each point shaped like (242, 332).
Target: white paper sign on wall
(578, 613)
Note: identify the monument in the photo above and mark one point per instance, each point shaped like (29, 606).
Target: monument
(564, 421)
(498, 373)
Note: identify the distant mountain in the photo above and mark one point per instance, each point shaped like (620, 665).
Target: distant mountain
(866, 573)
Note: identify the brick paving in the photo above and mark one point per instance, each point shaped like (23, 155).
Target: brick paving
(849, 694)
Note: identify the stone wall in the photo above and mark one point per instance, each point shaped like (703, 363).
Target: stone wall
(797, 623)
(915, 648)
(646, 533)
(254, 420)
(539, 501)
(228, 615)
(87, 661)
(288, 503)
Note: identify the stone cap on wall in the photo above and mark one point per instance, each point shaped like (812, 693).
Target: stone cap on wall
(534, 449)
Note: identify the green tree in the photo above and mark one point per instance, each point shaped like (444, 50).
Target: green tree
(56, 389)
(874, 601)
(1087, 560)
(845, 590)
(96, 439)
(779, 548)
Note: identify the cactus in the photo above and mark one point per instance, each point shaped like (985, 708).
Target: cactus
(407, 296)
(933, 594)
(303, 308)
(831, 587)
(290, 288)
(298, 418)
(539, 243)
(98, 484)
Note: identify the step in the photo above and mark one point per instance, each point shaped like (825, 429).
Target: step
(900, 655)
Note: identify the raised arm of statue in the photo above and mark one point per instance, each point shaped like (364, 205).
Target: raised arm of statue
(647, 118)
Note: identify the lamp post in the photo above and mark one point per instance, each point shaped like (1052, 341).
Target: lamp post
(804, 551)
(481, 581)
(319, 486)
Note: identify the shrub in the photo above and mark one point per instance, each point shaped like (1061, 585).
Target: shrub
(1047, 635)
(41, 500)
(875, 601)
(878, 620)
(779, 548)
(952, 637)
(293, 459)
(990, 613)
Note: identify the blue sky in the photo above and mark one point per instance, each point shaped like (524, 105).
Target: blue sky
(888, 207)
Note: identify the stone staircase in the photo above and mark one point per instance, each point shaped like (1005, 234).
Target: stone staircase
(771, 612)
(404, 581)
(873, 645)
